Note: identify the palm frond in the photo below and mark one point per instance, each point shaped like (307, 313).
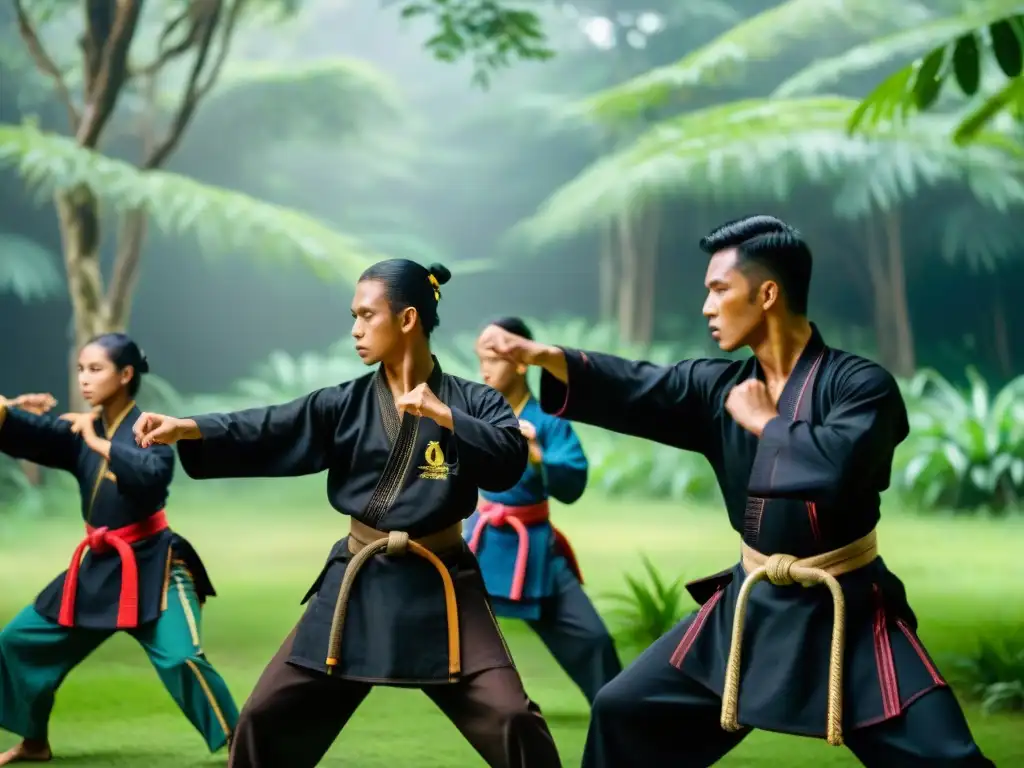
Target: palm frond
(756, 39)
(317, 100)
(760, 148)
(28, 270)
(222, 220)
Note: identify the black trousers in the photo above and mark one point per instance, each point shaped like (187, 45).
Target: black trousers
(573, 631)
(652, 716)
(294, 715)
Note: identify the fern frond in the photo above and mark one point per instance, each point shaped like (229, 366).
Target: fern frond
(318, 100)
(28, 270)
(221, 219)
(764, 148)
(753, 40)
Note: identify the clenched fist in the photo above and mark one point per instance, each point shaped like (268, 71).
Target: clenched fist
(750, 405)
(157, 429)
(36, 402)
(420, 401)
(501, 343)
(529, 431)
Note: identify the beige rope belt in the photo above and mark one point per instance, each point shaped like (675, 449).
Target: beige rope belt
(784, 570)
(365, 542)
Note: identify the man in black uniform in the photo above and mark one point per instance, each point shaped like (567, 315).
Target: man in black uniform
(819, 641)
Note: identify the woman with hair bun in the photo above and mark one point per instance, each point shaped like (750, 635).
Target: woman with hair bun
(136, 574)
(400, 601)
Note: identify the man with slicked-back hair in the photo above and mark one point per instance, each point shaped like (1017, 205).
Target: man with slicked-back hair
(809, 633)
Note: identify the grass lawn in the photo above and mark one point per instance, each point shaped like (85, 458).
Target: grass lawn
(265, 543)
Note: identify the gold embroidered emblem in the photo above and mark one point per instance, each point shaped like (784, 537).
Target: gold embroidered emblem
(435, 469)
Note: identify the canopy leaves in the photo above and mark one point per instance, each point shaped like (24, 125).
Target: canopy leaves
(757, 38)
(221, 219)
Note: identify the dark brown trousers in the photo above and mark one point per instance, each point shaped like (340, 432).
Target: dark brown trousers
(294, 715)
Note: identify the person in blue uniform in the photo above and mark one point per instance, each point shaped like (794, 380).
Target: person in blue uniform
(130, 573)
(809, 633)
(529, 567)
(399, 600)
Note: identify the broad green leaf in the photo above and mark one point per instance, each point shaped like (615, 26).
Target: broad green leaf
(1006, 45)
(967, 63)
(928, 82)
(1011, 95)
(757, 39)
(222, 220)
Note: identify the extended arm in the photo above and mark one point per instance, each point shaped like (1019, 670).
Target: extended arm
(564, 463)
(492, 451)
(867, 420)
(39, 439)
(286, 440)
(141, 471)
(667, 404)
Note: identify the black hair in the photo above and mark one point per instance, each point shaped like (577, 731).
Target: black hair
(409, 284)
(123, 352)
(771, 245)
(514, 325)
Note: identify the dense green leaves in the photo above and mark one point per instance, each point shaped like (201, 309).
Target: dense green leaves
(963, 42)
(492, 33)
(223, 220)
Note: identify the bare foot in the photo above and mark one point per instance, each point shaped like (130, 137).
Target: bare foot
(28, 751)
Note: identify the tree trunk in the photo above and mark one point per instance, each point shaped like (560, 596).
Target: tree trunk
(905, 359)
(647, 252)
(78, 216)
(880, 293)
(628, 278)
(1001, 335)
(606, 273)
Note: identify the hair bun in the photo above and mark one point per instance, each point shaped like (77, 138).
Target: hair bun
(440, 273)
(143, 365)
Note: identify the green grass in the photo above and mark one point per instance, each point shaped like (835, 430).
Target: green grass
(264, 544)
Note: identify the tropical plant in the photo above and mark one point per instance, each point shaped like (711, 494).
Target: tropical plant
(646, 610)
(27, 269)
(765, 149)
(995, 674)
(960, 48)
(966, 447)
(199, 32)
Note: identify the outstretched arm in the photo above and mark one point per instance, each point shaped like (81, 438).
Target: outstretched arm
(36, 438)
(288, 440)
(668, 404)
(867, 420)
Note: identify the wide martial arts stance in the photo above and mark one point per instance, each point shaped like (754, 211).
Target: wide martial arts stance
(400, 600)
(136, 575)
(529, 567)
(809, 633)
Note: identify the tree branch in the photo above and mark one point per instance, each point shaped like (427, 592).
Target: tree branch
(45, 63)
(194, 91)
(106, 45)
(166, 54)
(127, 261)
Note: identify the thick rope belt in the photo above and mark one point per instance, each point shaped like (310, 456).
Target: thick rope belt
(365, 542)
(785, 570)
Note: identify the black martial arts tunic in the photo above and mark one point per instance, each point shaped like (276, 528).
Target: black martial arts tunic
(809, 485)
(126, 491)
(395, 629)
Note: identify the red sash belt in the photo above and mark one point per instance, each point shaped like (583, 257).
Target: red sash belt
(518, 518)
(101, 540)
